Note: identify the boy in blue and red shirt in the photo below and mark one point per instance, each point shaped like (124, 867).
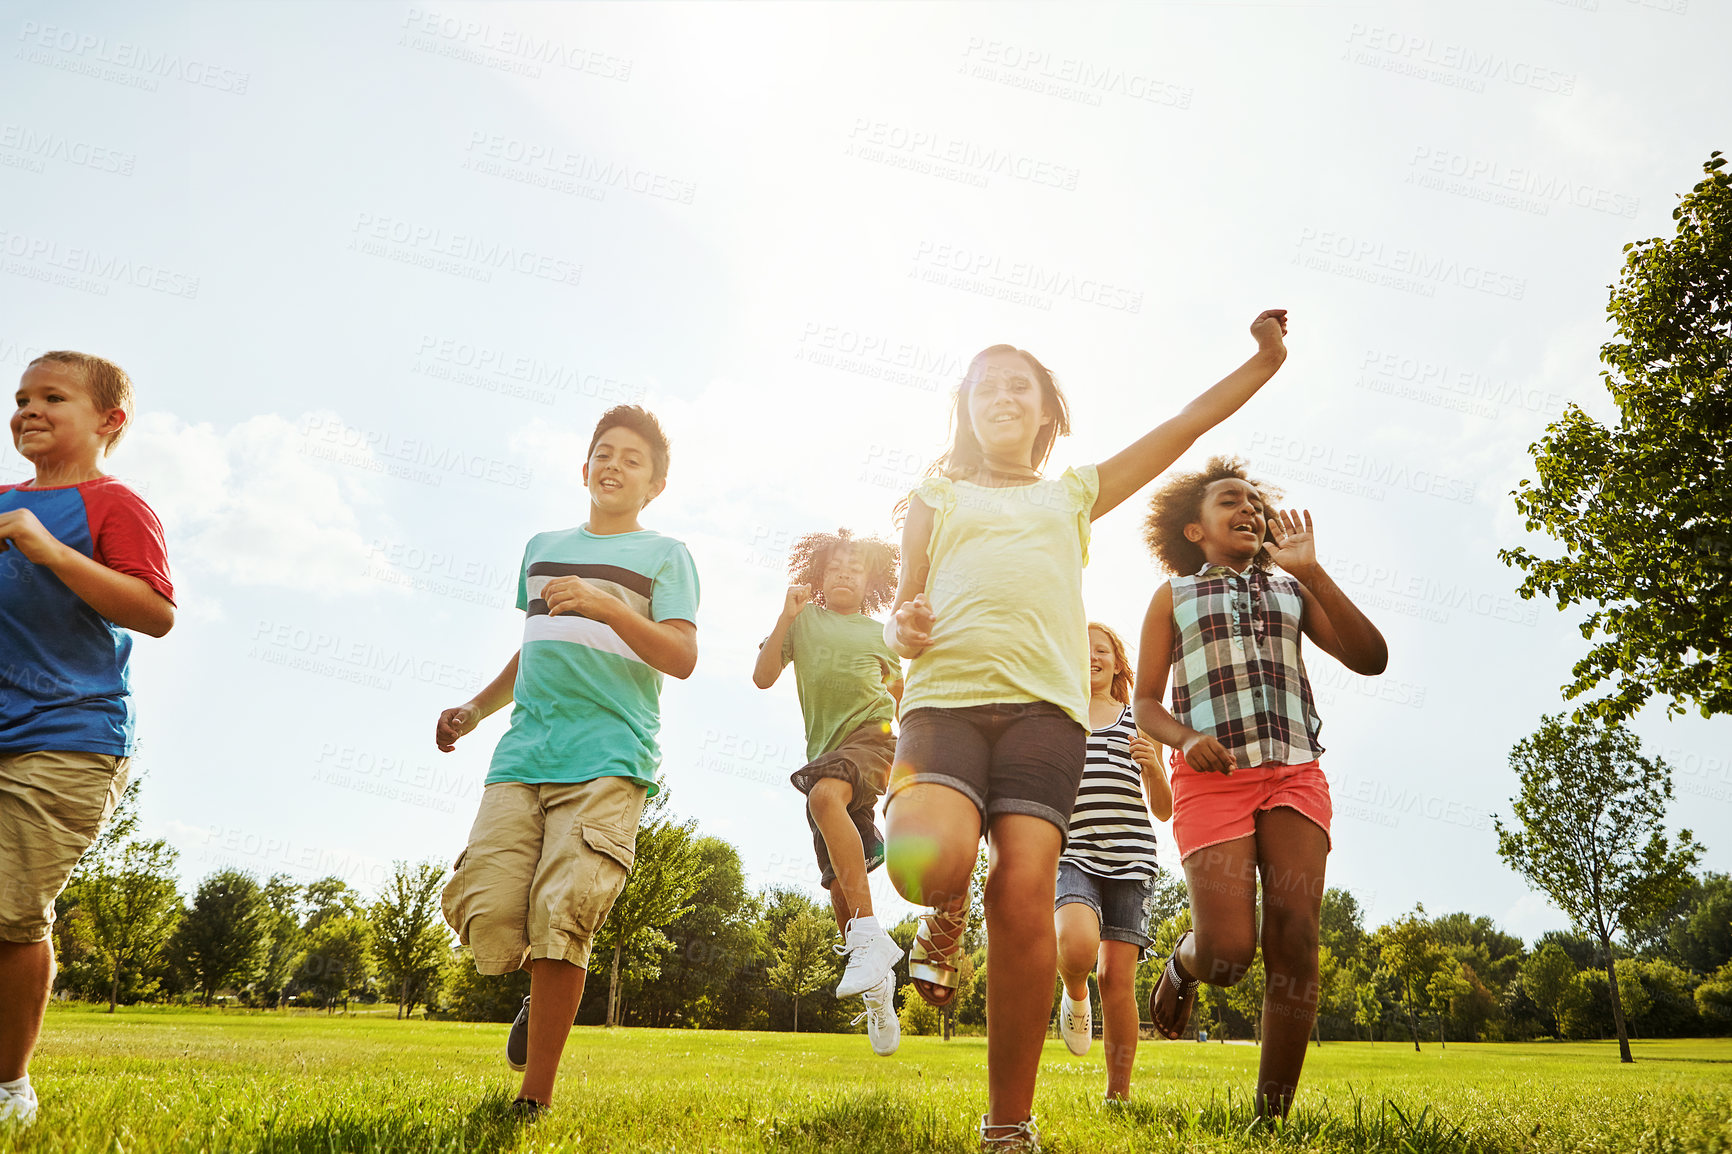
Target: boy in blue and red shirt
(82, 561)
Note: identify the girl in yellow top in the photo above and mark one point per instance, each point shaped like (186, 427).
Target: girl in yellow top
(995, 712)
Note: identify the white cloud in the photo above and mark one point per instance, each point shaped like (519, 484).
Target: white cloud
(251, 505)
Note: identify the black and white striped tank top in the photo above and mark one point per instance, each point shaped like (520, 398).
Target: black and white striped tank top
(1110, 831)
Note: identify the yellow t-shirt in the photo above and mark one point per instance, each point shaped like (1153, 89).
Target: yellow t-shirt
(1006, 593)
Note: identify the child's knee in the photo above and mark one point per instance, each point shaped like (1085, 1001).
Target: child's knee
(829, 795)
(1115, 976)
(1289, 941)
(1224, 958)
(1075, 957)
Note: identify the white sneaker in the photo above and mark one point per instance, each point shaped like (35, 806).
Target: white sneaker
(882, 1026)
(1076, 1023)
(871, 953)
(17, 1109)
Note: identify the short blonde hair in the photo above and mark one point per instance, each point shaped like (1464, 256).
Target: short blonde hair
(110, 387)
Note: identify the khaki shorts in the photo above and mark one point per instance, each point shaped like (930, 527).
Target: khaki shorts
(542, 869)
(52, 805)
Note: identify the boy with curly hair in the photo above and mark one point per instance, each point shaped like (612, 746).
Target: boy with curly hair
(849, 683)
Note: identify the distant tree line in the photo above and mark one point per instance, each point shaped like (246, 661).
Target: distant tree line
(691, 945)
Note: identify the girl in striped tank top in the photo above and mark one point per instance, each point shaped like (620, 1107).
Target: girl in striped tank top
(1248, 795)
(988, 613)
(1106, 877)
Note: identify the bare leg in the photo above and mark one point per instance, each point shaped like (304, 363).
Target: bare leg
(1223, 884)
(1079, 940)
(1022, 958)
(828, 803)
(1118, 981)
(26, 975)
(932, 838)
(1293, 852)
(555, 989)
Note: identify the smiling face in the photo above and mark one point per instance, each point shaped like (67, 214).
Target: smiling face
(1006, 408)
(620, 473)
(1231, 523)
(56, 424)
(845, 577)
(1102, 663)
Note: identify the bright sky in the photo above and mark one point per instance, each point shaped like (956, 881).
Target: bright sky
(377, 269)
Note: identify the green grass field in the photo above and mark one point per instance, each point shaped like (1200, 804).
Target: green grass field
(160, 1080)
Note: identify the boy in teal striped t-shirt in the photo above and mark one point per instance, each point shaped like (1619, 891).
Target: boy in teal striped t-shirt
(611, 607)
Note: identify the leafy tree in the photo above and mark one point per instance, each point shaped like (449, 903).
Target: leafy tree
(472, 996)
(410, 941)
(1546, 975)
(1590, 838)
(330, 897)
(1341, 925)
(804, 960)
(714, 941)
(1643, 508)
(1714, 997)
(1701, 937)
(133, 904)
(224, 937)
(283, 897)
(337, 962)
(667, 871)
(1446, 984)
(1411, 954)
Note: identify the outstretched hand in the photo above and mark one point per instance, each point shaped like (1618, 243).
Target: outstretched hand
(1295, 545)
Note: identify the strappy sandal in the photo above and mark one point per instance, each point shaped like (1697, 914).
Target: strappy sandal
(1009, 1135)
(928, 965)
(1185, 990)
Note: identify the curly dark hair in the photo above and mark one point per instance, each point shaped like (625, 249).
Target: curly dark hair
(811, 556)
(1179, 502)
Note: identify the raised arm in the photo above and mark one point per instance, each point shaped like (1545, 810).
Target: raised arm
(908, 630)
(1331, 618)
(769, 665)
(1126, 472)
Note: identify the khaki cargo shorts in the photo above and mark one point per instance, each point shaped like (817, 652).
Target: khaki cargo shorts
(52, 805)
(542, 869)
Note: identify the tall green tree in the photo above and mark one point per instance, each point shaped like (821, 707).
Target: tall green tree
(713, 942)
(133, 904)
(1546, 975)
(283, 897)
(1590, 836)
(1408, 950)
(410, 941)
(224, 937)
(667, 870)
(337, 962)
(804, 960)
(1643, 508)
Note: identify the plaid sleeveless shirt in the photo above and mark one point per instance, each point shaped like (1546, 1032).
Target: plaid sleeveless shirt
(1236, 667)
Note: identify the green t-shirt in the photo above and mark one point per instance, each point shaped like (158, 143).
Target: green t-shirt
(586, 705)
(843, 670)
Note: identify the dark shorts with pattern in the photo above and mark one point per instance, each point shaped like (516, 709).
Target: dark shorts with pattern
(1018, 757)
(863, 761)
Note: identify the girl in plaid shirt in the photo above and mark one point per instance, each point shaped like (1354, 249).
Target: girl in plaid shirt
(988, 612)
(1248, 794)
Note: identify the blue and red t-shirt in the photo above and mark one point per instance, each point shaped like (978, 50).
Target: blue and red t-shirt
(63, 682)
